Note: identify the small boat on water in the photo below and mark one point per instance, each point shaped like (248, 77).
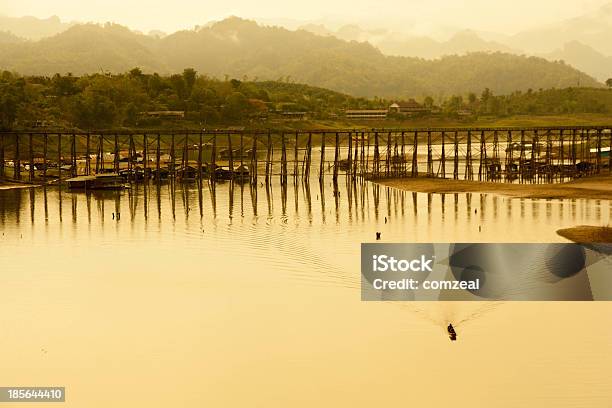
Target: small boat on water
(105, 181)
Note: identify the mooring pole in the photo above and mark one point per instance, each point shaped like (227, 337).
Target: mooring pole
(213, 159)
(430, 171)
(469, 173)
(322, 164)
(158, 158)
(87, 154)
(200, 158)
(254, 160)
(443, 158)
(31, 157)
(231, 155)
(456, 157)
(45, 150)
(336, 153)
(415, 152)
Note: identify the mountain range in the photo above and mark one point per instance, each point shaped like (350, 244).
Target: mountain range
(237, 48)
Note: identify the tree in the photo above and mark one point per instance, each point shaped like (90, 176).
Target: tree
(189, 76)
(609, 83)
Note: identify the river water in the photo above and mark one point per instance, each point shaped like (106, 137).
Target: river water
(173, 295)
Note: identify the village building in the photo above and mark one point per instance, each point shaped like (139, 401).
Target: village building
(409, 108)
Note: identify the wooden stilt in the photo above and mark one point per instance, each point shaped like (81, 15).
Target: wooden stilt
(376, 169)
(322, 163)
(213, 158)
(456, 157)
(430, 171)
(254, 160)
(415, 152)
(73, 156)
(31, 157)
(295, 156)
(88, 154)
(116, 154)
(336, 154)
(268, 157)
(483, 156)
(283, 159)
(443, 158)
(45, 152)
(158, 158)
(349, 164)
(469, 173)
(231, 155)
(172, 165)
(388, 157)
(200, 159)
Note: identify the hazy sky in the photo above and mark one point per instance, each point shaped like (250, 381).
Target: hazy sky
(491, 15)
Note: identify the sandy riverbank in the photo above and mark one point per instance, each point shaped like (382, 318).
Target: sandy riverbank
(587, 234)
(599, 187)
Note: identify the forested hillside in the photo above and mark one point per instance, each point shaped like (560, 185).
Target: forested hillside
(242, 49)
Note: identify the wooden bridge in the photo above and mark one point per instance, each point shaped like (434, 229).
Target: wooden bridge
(528, 155)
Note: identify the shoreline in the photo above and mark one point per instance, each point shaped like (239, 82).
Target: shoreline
(596, 187)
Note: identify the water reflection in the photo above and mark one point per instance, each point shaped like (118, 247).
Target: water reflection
(350, 202)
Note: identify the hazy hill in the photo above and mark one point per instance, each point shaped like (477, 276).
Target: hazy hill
(33, 28)
(584, 58)
(81, 49)
(237, 47)
(593, 29)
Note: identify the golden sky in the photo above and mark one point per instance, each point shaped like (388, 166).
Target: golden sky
(506, 16)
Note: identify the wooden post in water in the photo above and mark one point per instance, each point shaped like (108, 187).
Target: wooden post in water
(158, 158)
(350, 154)
(231, 155)
(522, 157)
(469, 173)
(45, 151)
(100, 157)
(443, 158)
(363, 145)
(573, 149)
(388, 158)
(456, 157)
(534, 147)
(200, 157)
(306, 171)
(172, 165)
(254, 160)
(483, 155)
(336, 154)
(59, 156)
(213, 158)
(295, 155)
(561, 156)
(31, 157)
(268, 157)
(131, 156)
(598, 159)
(116, 154)
(430, 170)
(87, 154)
(376, 169)
(17, 159)
(145, 154)
(403, 154)
(322, 164)
(283, 159)
(415, 151)
(509, 157)
(73, 154)
(549, 152)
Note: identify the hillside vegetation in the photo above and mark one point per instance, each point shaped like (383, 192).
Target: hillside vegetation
(123, 100)
(237, 48)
